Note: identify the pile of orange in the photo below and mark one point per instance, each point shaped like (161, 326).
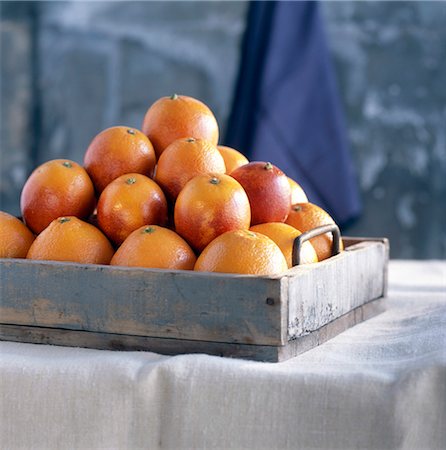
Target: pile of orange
(166, 197)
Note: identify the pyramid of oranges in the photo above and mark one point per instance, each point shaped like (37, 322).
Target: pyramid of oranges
(168, 197)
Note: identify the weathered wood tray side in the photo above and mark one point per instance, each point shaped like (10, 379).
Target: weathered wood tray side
(166, 346)
(259, 318)
(142, 302)
(320, 294)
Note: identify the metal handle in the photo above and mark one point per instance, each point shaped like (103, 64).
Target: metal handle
(297, 245)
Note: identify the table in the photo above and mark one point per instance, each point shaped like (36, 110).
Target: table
(381, 384)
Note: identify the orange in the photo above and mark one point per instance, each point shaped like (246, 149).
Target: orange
(117, 151)
(176, 117)
(155, 247)
(284, 235)
(297, 193)
(268, 191)
(129, 202)
(210, 205)
(56, 188)
(15, 237)
(242, 251)
(233, 158)
(71, 239)
(184, 159)
(306, 216)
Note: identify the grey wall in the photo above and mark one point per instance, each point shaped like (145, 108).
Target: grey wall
(16, 102)
(391, 65)
(70, 69)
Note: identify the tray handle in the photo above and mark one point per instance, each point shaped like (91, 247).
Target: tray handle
(297, 244)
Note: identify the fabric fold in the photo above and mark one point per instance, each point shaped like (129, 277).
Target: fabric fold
(286, 107)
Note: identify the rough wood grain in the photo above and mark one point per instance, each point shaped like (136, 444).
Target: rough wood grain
(105, 341)
(159, 303)
(192, 307)
(322, 292)
(317, 337)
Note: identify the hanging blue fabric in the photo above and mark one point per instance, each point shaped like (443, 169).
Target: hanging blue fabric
(286, 107)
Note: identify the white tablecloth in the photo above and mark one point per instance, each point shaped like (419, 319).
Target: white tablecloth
(381, 384)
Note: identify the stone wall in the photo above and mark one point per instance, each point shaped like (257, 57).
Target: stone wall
(104, 63)
(391, 64)
(70, 69)
(16, 102)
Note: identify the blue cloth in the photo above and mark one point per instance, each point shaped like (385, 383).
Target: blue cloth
(286, 107)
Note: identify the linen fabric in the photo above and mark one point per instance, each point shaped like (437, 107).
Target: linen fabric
(379, 385)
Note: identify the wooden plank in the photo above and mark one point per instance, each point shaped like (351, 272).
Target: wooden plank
(105, 341)
(143, 302)
(348, 241)
(358, 242)
(331, 329)
(320, 293)
(121, 342)
(219, 308)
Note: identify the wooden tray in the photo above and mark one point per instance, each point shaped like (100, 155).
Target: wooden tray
(267, 318)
